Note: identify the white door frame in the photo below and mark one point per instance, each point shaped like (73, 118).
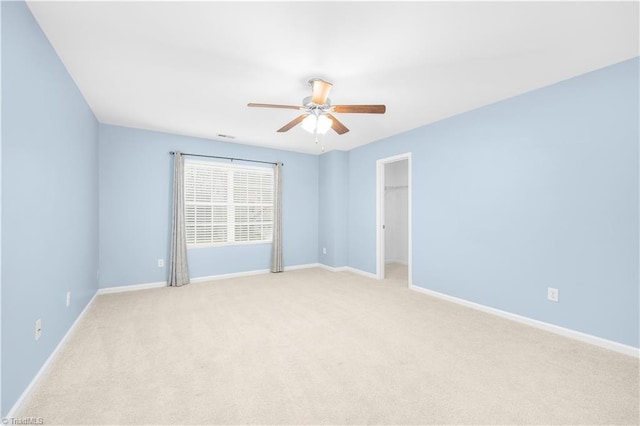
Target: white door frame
(380, 212)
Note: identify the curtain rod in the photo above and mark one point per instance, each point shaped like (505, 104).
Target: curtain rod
(226, 158)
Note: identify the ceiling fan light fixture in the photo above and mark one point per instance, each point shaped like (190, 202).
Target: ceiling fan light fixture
(317, 125)
(324, 124)
(309, 123)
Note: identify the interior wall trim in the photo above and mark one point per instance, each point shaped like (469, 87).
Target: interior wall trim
(332, 268)
(566, 332)
(348, 269)
(380, 233)
(133, 287)
(26, 394)
(196, 280)
(361, 272)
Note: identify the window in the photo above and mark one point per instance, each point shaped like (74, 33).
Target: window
(227, 203)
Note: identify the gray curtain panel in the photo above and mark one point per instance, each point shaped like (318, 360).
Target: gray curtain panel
(178, 266)
(276, 247)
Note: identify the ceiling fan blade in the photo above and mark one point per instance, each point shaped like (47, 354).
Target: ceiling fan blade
(337, 125)
(321, 91)
(274, 106)
(365, 109)
(292, 123)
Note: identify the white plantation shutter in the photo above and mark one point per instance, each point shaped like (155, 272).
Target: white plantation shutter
(228, 203)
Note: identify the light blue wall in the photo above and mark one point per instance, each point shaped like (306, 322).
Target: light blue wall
(537, 191)
(49, 199)
(334, 184)
(135, 191)
(1, 410)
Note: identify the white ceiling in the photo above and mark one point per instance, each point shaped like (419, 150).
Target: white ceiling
(191, 67)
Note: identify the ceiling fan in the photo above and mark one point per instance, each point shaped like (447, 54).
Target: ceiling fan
(317, 116)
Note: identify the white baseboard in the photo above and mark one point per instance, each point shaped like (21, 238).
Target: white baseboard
(249, 273)
(361, 272)
(133, 287)
(332, 268)
(196, 280)
(566, 332)
(348, 269)
(24, 397)
(304, 266)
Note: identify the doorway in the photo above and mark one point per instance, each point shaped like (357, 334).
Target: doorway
(394, 218)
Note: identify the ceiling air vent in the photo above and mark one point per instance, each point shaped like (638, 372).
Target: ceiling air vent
(226, 136)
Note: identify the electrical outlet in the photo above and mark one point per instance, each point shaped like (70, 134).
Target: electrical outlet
(38, 328)
(160, 263)
(68, 298)
(552, 294)
(324, 250)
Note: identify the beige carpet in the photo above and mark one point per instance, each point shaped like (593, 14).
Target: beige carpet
(397, 272)
(318, 347)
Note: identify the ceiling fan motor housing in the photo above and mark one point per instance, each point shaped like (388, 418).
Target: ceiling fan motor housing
(310, 105)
